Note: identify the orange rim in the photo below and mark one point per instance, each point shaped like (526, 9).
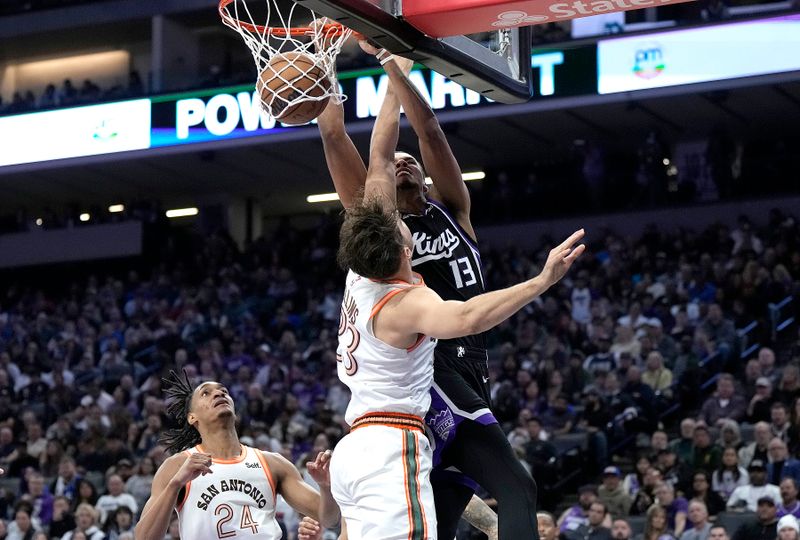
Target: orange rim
(331, 30)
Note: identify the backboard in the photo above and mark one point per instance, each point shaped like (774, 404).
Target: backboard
(496, 65)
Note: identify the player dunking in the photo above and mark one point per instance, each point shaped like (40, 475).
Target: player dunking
(389, 326)
(219, 487)
(466, 434)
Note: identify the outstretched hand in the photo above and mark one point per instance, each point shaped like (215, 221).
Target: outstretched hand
(319, 469)
(561, 258)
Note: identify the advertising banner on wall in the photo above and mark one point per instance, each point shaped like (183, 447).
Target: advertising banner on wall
(696, 55)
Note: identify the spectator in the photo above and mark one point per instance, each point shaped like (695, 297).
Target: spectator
(794, 429)
(121, 522)
(646, 495)
(729, 434)
(23, 527)
(789, 385)
(764, 526)
(114, 498)
(86, 493)
(701, 527)
(781, 466)
(675, 507)
(706, 455)
(40, 499)
(747, 497)
(85, 524)
(633, 481)
(611, 493)
(547, 526)
(68, 94)
(656, 528)
(720, 331)
(730, 475)
(758, 410)
(674, 473)
(725, 404)
(559, 419)
(541, 455)
(789, 504)
(595, 528)
(620, 530)
(141, 483)
(684, 446)
(759, 448)
(656, 376)
(788, 528)
(578, 514)
(766, 364)
(603, 359)
(718, 532)
(63, 521)
(701, 491)
(744, 238)
(49, 98)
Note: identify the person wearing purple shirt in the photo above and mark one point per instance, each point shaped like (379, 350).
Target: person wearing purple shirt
(40, 498)
(238, 357)
(789, 504)
(676, 507)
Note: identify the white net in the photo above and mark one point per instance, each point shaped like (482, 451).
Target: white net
(296, 63)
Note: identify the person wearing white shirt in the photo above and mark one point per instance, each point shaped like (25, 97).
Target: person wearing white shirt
(115, 498)
(698, 516)
(746, 497)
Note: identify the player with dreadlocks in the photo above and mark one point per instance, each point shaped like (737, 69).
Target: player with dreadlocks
(219, 487)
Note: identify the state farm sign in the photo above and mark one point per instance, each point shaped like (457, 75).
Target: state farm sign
(456, 17)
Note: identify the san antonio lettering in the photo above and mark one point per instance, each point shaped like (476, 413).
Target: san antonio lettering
(231, 485)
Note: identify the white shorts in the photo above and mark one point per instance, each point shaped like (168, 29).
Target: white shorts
(380, 477)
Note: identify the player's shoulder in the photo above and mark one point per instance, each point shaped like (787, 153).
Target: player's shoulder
(174, 462)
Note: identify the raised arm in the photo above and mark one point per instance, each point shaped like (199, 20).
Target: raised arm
(345, 165)
(422, 311)
(302, 497)
(437, 157)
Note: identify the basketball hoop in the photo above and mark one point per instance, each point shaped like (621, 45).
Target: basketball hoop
(296, 64)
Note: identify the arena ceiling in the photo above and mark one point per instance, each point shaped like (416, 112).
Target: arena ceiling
(279, 174)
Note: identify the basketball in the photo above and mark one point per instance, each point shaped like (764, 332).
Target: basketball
(287, 79)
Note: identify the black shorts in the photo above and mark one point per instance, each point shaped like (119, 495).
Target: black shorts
(460, 392)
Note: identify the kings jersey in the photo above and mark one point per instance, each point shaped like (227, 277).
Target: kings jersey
(447, 259)
(237, 500)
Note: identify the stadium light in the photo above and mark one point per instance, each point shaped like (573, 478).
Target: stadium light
(322, 197)
(85, 217)
(182, 212)
(116, 208)
(466, 177)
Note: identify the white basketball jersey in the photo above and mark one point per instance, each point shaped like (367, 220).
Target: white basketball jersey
(381, 378)
(236, 501)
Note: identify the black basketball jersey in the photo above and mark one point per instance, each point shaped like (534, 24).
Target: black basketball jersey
(448, 260)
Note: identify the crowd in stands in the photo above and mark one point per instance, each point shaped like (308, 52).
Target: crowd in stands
(613, 360)
(70, 95)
